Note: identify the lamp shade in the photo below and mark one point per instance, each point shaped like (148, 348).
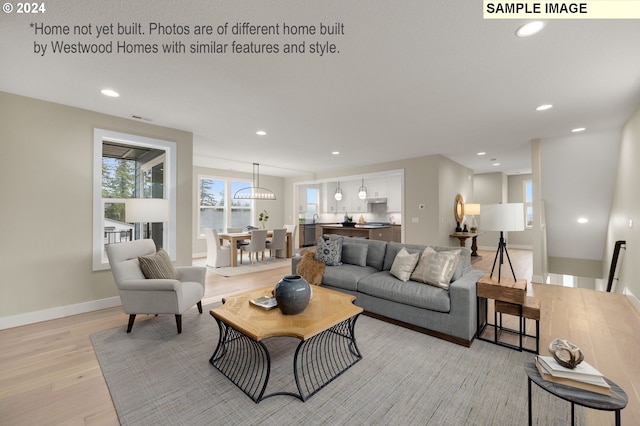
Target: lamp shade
(472, 209)
(151, 210)
(503, 217)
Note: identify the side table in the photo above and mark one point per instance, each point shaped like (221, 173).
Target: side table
(509, 297)
(614, 402)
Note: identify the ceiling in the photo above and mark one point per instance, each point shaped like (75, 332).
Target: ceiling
(411, 78)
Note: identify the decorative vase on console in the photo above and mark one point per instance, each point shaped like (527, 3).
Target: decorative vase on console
(293, 294)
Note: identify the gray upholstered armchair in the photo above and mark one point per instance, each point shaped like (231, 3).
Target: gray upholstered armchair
(141, 295)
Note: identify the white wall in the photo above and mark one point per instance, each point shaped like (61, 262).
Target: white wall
(46, 192)
(626, 207)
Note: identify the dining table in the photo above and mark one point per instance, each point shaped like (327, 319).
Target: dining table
(234, 237)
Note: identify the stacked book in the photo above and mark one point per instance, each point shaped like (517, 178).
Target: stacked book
(584, 376)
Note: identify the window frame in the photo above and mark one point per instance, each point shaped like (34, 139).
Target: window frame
(527, 204)
(228, 202)
(99, 262)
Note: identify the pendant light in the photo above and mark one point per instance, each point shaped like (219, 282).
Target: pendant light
(362, 191)
(254, 192)
(338, 193)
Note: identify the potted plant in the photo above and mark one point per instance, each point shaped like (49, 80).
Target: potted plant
(263, 217)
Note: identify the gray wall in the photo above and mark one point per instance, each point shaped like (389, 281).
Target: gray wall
(46, 192)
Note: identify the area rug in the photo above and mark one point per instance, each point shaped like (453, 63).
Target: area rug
(158, 377)
(246, 267)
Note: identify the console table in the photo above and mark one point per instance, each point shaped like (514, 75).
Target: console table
(462, 237)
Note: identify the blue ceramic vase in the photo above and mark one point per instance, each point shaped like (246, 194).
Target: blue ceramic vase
(292, 294)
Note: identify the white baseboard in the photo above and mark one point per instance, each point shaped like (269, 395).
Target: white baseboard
(633, 299)
(58, 312)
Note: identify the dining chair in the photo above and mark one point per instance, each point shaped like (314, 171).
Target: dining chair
(217, 254)
(278, 241)
(237, 230)
(294, 231)
(258, 244)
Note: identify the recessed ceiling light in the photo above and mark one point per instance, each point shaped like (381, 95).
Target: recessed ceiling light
(583, 220)
(261, 133)
(496, 164)
(530, 29)
(110, 93)
(544, 107)
(335, 152)
(481, 153)
(578, 129)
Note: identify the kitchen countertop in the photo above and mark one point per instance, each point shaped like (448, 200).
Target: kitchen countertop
(358, 226)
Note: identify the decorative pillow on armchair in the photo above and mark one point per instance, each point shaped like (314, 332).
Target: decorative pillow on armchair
(158, 266)
(330, 252)
(436, 268)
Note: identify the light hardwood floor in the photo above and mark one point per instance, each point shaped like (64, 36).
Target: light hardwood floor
(49, 373)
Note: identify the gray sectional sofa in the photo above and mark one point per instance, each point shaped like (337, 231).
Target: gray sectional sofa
(365, 273)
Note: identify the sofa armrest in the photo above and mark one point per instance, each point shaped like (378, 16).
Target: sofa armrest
(294, 263)
(150, 285)
(464, 301)
(192, 273)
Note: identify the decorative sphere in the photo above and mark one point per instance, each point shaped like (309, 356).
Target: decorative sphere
(292, 294)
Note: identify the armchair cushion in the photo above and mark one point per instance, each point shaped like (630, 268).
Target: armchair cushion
(158, 266)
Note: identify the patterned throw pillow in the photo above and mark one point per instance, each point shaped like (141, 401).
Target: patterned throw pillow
(404, 264)
(436, 268)
(330, 252)
(158, 266)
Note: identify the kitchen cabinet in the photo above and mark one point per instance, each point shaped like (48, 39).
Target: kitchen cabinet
(329, 203)
(378, 233)
(396, 233)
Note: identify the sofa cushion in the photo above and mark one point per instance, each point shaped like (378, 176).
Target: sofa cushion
(376, 250)
(404, 264)
(354, 253)
(346, 276)
(386, 286)
(392, 250)
(158, 266)
(329, 252)
(436, 268)
(464, 264)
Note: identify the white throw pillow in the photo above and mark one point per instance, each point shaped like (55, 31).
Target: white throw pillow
(436, 268)
(403, 264)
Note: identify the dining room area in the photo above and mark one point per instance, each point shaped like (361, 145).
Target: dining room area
(239, 250)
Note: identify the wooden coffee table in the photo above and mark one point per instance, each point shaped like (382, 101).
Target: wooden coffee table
(325, 328)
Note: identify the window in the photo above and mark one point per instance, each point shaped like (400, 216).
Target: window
(313, 201)
(528, 203)
(125, 167)
(215, 196)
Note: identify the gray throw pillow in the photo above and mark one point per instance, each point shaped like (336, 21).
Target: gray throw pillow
(436, 268)
(158, 266)
(404, 264)
(354, 253)
(329, 252)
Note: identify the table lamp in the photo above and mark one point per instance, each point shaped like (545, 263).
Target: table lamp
(472, 210)
(504, 218)
(146, 210)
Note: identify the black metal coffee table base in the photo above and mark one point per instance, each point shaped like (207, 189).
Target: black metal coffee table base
(317, 360)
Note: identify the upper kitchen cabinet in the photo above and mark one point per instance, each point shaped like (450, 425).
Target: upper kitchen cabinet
(389, 187)
(329, 203)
